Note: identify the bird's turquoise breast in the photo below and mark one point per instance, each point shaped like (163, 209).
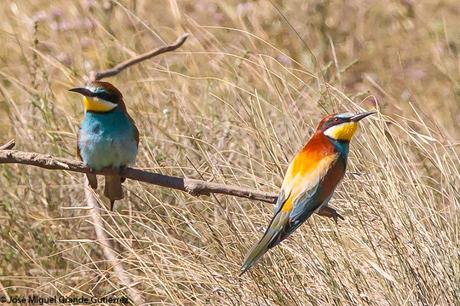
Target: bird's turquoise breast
(107, 140)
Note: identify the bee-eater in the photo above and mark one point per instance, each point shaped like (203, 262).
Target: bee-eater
(310, 180)
(108, 137)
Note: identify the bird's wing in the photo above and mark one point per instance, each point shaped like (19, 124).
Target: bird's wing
(298, 194)
(136, 131)
(282, 197)
(92, 179)
(291, 178)
(305, 195)
(277, 224)
(78, 145)
(304, 208)
(323, 184)
(301, 183)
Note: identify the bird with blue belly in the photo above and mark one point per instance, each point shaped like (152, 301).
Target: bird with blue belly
(310, 181)
(108, 137)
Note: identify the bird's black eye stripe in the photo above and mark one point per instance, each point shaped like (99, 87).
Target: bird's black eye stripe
(333, 121)
(107, 96)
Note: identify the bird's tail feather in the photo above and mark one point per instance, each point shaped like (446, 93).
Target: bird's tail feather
(92, 180)
(113, 189)
(269, 239)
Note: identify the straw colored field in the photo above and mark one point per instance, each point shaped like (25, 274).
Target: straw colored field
(232, 106)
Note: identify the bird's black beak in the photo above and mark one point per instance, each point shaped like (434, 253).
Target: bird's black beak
(83, 91)
(358, 117)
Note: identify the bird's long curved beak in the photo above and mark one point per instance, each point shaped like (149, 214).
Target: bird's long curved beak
(84, 91)
(358, 117)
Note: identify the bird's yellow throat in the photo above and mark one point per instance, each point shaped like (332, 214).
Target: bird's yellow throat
(98, 105)
(344, 131)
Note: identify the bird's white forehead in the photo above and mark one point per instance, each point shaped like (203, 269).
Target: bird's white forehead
(91, 87)
(344, 115)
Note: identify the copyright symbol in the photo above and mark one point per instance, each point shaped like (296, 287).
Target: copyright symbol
(3, 299)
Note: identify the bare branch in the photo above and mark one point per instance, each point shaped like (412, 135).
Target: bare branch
(99, 75)
(192, 186)
(109, 254)
(9, 145)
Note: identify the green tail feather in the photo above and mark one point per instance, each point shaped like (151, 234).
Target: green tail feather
(269, 240)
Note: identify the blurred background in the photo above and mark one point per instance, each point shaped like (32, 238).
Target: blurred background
(233, 105)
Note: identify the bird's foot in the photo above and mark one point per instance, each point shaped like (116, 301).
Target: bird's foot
(327, 211)
(336, 218)
(121, 169)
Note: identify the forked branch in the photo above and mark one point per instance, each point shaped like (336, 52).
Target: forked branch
(9, 145)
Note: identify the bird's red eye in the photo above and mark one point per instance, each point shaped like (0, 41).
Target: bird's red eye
(336, 119)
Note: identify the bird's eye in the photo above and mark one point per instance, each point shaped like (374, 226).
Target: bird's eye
(336, 119)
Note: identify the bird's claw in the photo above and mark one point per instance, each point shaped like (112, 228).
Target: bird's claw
(121, 169)
(336, 217)
(327, 211)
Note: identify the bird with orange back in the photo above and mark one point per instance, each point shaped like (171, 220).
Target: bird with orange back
(310, 181)
(108, 137)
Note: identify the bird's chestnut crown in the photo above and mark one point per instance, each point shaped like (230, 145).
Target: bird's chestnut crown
(341, 127)
(99, 96)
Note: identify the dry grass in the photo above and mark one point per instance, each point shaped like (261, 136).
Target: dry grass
(233, 105)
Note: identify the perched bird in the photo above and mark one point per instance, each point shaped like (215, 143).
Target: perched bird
(108, 137)
(310, 180)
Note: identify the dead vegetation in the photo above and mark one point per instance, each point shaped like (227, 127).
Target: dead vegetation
(232, 106)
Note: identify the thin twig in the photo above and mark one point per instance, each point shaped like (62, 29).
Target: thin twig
(109, 254)
(9, 145)
(99, 75)
(192, 186)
